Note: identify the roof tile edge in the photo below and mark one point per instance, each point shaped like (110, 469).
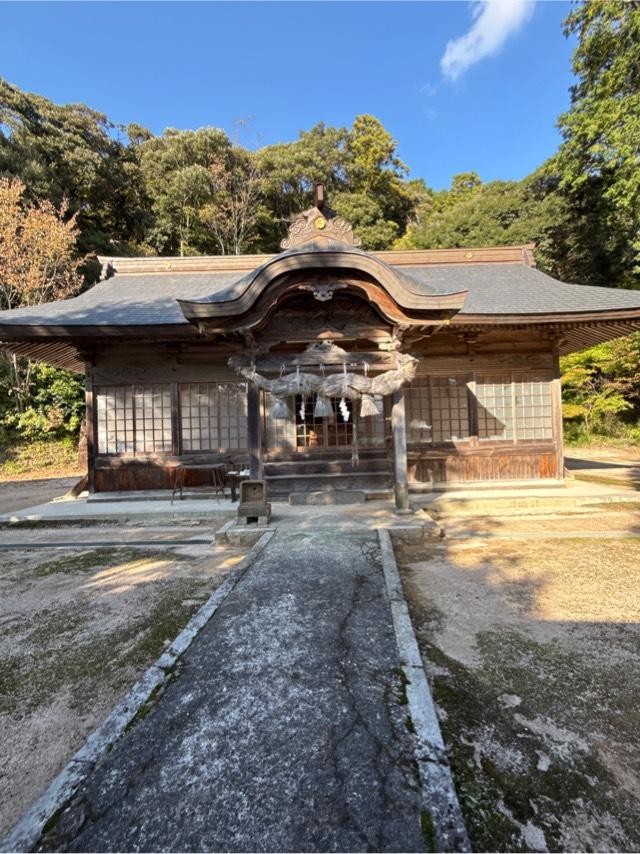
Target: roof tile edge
(521, 254)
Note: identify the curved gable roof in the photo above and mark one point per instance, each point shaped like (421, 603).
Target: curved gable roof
(327, 256)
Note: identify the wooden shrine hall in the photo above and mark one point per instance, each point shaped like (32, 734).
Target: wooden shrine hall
(324, 367)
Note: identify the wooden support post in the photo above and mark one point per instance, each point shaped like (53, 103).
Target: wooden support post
(254, 431)
(558, 430)
(90, 427)
(399, 428)
(176, 448)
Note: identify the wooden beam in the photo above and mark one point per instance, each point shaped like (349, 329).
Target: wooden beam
(254, 431)
(399, 428)
(354, 359)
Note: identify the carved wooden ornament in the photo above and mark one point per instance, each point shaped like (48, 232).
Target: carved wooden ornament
(313, 224)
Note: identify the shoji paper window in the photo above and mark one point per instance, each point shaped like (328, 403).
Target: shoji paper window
(437, 409)
(133, 419)
(514, 407)
(494, 397)
(213, 416)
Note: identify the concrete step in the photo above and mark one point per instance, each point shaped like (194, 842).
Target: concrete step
(324, 498)
(331, 454)
(287, 468)
(356, 480)
(518, 503)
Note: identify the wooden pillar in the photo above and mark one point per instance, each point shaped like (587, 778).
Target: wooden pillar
(90, 427)
(176, 435)
(254, 431)
(558, 428)
(399, 429)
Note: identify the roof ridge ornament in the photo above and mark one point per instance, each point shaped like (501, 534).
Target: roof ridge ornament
(319, 223)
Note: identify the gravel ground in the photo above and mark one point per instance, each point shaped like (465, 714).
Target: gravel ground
(533, 649)
(77, 627)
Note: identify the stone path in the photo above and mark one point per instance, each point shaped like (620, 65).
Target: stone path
(284, 729)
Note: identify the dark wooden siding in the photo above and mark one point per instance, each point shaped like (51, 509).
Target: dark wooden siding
(482, 464)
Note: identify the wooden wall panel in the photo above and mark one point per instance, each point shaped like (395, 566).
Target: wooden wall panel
(455, 466)
(131, 475)
(110, 374)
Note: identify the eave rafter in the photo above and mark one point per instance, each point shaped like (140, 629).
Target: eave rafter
(571, 332)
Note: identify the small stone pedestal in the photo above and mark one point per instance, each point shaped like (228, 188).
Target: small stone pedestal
(254, 508)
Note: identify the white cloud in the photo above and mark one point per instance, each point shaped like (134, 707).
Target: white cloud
(429, 90)
(494, 21)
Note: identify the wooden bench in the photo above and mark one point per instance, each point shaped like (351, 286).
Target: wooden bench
(218, 477)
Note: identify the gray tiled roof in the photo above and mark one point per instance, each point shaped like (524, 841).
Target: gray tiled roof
(151, 298)
(134, 300)
(517, 289)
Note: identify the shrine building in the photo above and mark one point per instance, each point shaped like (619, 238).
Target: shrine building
(325, 367)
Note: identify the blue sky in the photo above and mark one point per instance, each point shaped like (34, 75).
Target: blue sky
(488, 102)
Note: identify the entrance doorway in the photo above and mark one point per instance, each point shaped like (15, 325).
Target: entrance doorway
(330, 431)
(289, 432)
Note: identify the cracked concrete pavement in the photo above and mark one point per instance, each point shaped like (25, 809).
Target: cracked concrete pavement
(284, 729)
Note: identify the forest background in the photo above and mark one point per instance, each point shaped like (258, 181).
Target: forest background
(74, 185)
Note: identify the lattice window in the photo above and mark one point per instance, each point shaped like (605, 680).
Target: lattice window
(533, 408)
(152, 418)
(437, 409)
(495, 408)
(514, 407)
(213, 416)
(133, 419)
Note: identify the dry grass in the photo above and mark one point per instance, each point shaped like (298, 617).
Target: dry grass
(36, 460)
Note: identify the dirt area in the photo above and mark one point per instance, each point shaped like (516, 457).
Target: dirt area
(77, 627)
(17, 494)
(624, 520)
(620, 455)
(533, 650)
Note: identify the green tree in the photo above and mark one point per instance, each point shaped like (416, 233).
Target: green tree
(381, 204)
(499, 213)
(292, 169)
(177, 169)
(55, 408)
(372, 162)
(588, 392)
(369, 219)
(234, 211)
(598, 163)
(364, 178)
(463, 184)
(75, 155)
